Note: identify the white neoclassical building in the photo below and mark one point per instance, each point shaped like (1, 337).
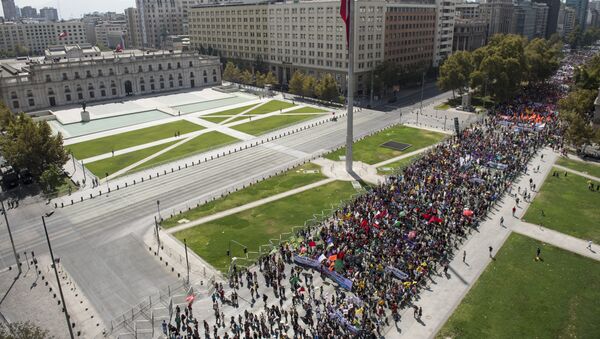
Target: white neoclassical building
(70, 75)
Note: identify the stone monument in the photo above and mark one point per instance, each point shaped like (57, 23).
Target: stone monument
(85, 115)
(466, 101)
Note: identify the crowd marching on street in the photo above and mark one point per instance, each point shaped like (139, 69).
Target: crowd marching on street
(352, 275)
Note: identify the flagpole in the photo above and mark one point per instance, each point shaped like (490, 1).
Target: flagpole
(350, 120)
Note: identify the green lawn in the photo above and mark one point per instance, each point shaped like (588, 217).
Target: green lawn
(271, 123)
(199, 144)
(255, 227)
(442, 107)
(296, 177)
(113, 164)
(271, 106)
(369, 150)
(216, 118)
(518, 297)
(308, 109)
(63, 188)
(569, 207)
(397, 165)
(587, 168)
(120, 141)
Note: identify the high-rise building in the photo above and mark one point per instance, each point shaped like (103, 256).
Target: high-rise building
(9, 9)
(133, 27)
(566, 20)
(581, 11)
(29, 12)
(552, 21)
(308, 36)
(541, 20)
(112, 34)
(49, 13)
(37, 36)
(498, 14)
(410, 33)
(444, 32)
(529, 19)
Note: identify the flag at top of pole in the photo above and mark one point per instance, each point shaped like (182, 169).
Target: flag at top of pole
(347, 13)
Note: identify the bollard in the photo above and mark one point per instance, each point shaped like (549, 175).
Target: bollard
(108, 189)
(55, 205)
(90, 195)
(150, 177)
(134, 181)
(142, 179)
(62, 204)
(71, 201)
(171, 169)
(179, 167)
(165, 172)
(157, 175)
(117, 187)
(186, 164)
(81, 199)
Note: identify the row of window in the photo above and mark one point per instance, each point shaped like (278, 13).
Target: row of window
(111, 72)
(103, 91)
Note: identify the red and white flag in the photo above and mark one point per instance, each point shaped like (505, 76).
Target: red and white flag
(63, 34)
(119, 48)
(345, 14)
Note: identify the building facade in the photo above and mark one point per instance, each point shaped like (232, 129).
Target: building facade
(133, 27)
(444, 32)
(112, 33)
(529, 19)
(84, 74)
(288, 36)
(552, 20)
(470, 28)
(37, 36)
(29, 12)
(566, 20)
(49, 13)
(410, 33)
(9, 9)
(498, 14)
(581, 11)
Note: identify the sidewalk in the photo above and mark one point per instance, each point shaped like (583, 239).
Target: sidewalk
(585, 175)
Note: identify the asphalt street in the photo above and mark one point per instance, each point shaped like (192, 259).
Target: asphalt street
(99, 240)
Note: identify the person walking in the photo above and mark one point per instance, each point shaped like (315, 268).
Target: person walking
(491, 249)
(589, 246)
(502, 221)
(537, 254)
(465, 257)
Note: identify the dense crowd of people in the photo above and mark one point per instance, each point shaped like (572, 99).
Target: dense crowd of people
(381, 249)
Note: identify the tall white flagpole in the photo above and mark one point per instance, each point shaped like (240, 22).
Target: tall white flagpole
(350, 120)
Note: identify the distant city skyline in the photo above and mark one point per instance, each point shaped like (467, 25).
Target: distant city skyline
(70, 9)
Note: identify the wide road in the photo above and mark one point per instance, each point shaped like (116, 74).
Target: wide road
(99, 240)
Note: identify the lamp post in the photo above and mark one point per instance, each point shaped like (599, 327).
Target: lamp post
(158, 209)
(62, 297)
(187, 262)
(12, 242)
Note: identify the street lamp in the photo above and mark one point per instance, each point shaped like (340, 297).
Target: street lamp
(12, 242)
(158, 209)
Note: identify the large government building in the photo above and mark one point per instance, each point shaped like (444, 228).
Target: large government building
(74, 74)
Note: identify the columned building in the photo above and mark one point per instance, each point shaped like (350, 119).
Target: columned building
(70, 75)
(498, 14)
(470, 28)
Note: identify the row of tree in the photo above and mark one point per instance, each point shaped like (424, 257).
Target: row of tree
(578, 38)
(325, 88)
(577, 108)
(247, 77)
(500, 68)
(28, 144)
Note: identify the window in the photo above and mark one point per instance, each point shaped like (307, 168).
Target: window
(64, 76)
(76, 75)
(90, 86)
(205, 80)
(80, 96)
(67, 89)
(113, 91)
(214, 78)
(140, 70)
(178, 64)
(191, 64)
(191, 74)
(126, 70)
(15, 104)
(29, 93)
(68, 97)
(48, 79)
(111, 72)
(88, 74)
(31, 102)
(150, 68)
(13, 95)
(91, 94)
(50, 91)
(169, 65)
(143, 88)
(204, 73)
(160, 67)
(100, 73)
(180, 83)
(103, 92)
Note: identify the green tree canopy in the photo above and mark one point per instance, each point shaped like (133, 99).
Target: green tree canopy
(22, 330)
(543, 59)
(327, 88)
(296, 83)
(231, 72)
(247, 77)
(270, 79)
(455, 72)
(30, 145)
(309, 85)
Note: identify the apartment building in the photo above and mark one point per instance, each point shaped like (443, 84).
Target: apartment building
(410, 27)
(133, 28)
(112, 33)
(498, 14)
(37, 36)
(444, 33)
(70, 75)
(470, 28)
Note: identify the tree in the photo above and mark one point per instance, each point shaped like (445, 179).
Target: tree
(455, 72)
(270, 79)
(247, 77)
(542, 59)
(30, 145)
(21, 50)
(500, 66)
(308, 86)
(579, 131)
(6, 117)
(388, 74)
(579, 101)
(260, 79)
(296, 83)
(231, 72)
(574, 37)
(327, 88)
(22, 330)
(50, 179)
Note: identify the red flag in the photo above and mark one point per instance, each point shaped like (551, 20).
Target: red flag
(345, 14)
(64, 34)
(119, 48)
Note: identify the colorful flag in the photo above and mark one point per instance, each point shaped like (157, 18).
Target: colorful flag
(63, 34)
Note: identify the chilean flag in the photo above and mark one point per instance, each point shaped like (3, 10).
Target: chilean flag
(64, 34)
(345, 14)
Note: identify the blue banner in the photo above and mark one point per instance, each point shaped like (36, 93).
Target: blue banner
(306, 261)
(340, 279)
(496, 165)
(399, 274)
(339, 317)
